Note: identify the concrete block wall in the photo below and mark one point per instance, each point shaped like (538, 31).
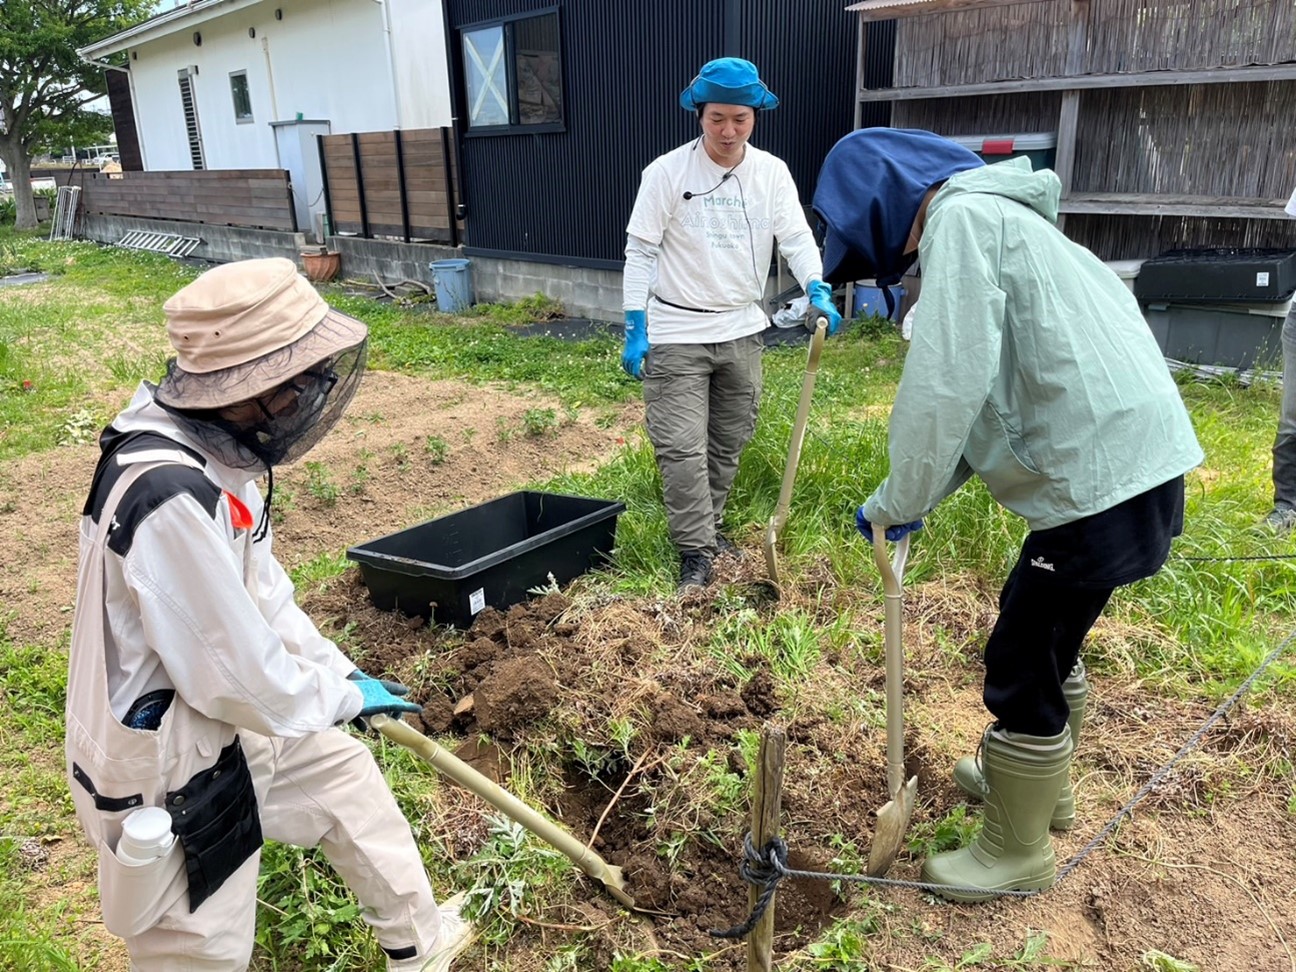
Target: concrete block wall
(220, 244)
(391, 260)
(595, 294)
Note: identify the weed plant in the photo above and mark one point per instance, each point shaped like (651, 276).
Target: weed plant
(537, 422)
(321, 485)
(436, 449)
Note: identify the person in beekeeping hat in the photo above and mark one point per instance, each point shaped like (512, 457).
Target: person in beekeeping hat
(196, 685)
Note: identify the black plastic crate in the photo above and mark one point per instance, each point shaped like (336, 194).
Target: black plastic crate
(450, 568)
(1225, 275)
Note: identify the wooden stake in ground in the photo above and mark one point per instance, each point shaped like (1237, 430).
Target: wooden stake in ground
(767, 809)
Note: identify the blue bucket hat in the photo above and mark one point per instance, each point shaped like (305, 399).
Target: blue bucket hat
(727, 81)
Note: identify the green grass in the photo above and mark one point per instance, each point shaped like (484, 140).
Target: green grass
(35, 813)
(481, 347)
(35, 680)
(60, 343)
(319, 570)
(1205, 624)
(1210, 622)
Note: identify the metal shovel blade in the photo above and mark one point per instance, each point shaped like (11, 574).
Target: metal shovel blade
(779, 518)
(892, 824)
(893, 818)
(501, 799)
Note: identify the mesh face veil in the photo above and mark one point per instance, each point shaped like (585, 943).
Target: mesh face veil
(282, 424)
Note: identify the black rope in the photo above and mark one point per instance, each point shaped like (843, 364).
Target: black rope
(767, 867)
(763, 869)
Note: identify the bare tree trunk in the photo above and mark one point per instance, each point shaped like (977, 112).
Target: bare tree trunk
(18, 166)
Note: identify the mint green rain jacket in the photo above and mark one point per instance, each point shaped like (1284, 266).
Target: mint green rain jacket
(1030, 365)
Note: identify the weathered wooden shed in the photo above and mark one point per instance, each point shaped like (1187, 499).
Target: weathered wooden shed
(1175, 119)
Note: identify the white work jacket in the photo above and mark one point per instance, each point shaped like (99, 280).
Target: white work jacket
(174, 594)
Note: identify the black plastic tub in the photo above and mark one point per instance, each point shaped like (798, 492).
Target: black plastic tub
(1218, 275)
(450, 568)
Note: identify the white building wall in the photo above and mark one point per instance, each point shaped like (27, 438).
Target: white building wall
(419, 57)
(328, 60)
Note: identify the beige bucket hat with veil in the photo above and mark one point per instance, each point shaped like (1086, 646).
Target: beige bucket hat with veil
(242, 329)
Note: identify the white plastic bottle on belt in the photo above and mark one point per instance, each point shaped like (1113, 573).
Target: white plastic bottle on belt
(146, 836)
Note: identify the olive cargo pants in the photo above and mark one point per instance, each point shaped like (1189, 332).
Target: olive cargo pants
(700, 402)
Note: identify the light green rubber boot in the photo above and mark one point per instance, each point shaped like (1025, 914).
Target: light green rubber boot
(1014, 852)
(967, 771)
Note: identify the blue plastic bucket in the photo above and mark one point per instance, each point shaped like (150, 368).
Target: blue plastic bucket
(868, 300)
(453, 282)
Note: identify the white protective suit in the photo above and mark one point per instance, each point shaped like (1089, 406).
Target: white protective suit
(174, 594)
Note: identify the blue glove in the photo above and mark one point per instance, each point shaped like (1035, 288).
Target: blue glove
(821, 299)
(381, 696)
(636, 343)
(893, 533)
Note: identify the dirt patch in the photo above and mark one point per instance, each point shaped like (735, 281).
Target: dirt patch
(408, 449)
(515, 692)
(374, 474)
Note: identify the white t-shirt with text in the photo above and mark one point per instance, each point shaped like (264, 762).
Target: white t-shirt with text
(712, 251)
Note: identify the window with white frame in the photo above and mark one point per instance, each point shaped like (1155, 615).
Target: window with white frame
(513, 74)
(242, 97)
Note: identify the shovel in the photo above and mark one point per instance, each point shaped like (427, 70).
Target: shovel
(893, 818)
(779, 518)
(505, 802)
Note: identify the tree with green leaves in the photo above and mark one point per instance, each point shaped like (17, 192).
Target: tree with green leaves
(44, 86)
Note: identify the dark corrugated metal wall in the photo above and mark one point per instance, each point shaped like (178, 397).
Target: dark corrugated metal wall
(805, 50)
(566, 196)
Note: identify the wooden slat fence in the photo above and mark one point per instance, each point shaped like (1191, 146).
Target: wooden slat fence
(253, 198)
(1144, 168)
(1028, 111)
(400, 185)
(1125, 36)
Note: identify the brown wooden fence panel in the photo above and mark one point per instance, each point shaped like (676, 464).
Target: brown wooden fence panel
(393, 184)
(257, 198)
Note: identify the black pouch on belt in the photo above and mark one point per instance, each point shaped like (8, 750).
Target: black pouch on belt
(215, 816)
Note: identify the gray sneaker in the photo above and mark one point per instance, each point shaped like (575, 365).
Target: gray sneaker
(725, 546)
(457, 933)
(695, 569)
(1281, 519)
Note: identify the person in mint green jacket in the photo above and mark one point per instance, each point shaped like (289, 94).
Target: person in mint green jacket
(1031, 367)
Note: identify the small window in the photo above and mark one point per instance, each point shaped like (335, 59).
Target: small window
(513, 74)
(242, 97)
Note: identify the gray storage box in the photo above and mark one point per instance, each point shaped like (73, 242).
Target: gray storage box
(1226, 335)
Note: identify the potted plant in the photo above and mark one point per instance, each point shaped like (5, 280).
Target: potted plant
(321, 264)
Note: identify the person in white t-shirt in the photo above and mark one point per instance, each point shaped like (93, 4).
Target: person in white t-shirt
(1282, 518)
(698, 250)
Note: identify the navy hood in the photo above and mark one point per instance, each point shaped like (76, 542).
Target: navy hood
(869, 191)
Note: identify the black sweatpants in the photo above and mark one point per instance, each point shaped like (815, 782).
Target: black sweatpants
(1034, 644)
(1059, 586)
